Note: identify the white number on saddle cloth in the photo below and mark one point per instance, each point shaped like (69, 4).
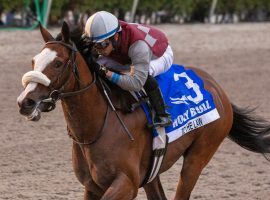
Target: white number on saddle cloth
(190, 85)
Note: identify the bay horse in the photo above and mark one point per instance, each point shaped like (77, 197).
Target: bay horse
(105, 160)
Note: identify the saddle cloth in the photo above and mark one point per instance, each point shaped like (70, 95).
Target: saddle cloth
(189, 104)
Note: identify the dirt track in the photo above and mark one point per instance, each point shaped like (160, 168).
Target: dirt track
(35, 158)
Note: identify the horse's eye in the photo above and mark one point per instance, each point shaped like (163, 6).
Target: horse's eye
(57, 64)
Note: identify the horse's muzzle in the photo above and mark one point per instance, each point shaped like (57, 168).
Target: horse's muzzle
(30, 109)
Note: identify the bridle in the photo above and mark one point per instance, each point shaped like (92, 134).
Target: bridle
(57, 94)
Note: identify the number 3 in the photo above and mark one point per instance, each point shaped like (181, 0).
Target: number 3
(190, 85)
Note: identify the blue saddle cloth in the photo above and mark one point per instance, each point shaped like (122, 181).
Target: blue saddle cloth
(189, 104)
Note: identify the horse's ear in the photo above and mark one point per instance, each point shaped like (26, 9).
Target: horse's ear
(65, 32)
(45, 34)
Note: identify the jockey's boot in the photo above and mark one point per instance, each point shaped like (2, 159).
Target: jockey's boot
(162, 118)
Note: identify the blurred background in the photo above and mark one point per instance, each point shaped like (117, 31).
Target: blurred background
(25, 13)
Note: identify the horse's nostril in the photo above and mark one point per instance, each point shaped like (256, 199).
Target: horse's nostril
(28, 103)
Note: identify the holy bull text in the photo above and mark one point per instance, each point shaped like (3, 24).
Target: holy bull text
(181, 119)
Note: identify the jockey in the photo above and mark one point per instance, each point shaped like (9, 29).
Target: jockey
(139, 52)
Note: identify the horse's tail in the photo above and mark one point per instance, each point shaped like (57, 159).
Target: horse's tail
(250, 132)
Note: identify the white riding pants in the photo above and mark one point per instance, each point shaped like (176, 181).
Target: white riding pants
(161, 64)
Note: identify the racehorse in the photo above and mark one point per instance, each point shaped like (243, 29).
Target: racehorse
(105, 160)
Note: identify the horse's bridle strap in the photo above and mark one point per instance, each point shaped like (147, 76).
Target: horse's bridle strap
(69, 94)
(99, 134)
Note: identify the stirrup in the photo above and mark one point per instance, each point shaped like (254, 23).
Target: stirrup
(162, 121)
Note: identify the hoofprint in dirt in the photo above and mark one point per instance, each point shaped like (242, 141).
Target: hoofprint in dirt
(35, 158)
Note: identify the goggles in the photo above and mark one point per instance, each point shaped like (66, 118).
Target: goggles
(102, 45)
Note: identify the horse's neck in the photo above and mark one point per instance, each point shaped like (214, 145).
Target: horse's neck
(86, 110)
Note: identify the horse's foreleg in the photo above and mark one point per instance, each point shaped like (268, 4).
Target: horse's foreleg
(154, 190)
(89, 195)
(122, 188)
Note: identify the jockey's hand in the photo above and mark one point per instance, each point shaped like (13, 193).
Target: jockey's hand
(87, 50)
(101, 70)
(85, 45)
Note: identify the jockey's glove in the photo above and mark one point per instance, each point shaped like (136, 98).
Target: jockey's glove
(85, 41)
(85, 46)
(101, 70)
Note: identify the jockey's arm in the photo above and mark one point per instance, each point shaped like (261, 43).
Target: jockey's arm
(140, 55)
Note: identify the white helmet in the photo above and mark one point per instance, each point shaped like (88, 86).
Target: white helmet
(101, 26)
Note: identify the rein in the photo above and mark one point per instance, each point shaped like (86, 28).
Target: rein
(99, 134)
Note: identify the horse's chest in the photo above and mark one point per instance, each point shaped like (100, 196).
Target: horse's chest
(99, 172)
(103, 174)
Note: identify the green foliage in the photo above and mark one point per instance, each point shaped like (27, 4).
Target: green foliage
(194, 9)
(57, 7)
(112, 5)
(242, 5)
(11, 4)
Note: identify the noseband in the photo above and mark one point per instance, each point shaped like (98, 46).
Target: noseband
(57, 94)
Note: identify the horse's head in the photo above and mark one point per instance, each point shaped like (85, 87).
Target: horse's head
(51, 72)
